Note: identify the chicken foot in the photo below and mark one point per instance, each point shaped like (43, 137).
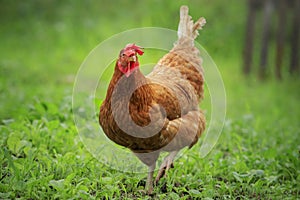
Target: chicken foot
(166, 165)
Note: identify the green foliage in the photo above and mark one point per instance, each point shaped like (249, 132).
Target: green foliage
(43, 44)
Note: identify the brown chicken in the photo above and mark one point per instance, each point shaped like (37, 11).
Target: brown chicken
(158, 112)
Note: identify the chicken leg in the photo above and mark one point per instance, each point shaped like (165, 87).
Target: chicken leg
(166, 165)
(149, 182)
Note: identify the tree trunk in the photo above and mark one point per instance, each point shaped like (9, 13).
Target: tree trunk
(295, 38)
(281, 27)
(268, 7)
(248, 48)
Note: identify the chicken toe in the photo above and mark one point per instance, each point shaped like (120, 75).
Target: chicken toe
(165, 166)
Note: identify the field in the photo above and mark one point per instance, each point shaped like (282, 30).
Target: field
(43, 44)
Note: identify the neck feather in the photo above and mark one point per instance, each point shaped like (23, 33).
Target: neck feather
(135, 87)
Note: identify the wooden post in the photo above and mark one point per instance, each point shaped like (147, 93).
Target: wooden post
(281, 29)
(294, 66)
(268, 7)
(248, 48)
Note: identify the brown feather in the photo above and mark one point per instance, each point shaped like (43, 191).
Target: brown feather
(161, 113)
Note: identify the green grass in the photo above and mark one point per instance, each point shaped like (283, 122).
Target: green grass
(43, 43)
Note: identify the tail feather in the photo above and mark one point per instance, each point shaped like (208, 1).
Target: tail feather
(185, 23)
(187, 29)
(198, 26)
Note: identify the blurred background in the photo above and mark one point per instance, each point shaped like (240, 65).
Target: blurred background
(254, 43)
(43, 43)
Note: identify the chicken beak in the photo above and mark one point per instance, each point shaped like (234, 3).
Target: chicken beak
(132, 58)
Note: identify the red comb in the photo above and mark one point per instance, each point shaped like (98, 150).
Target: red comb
(134, 47)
